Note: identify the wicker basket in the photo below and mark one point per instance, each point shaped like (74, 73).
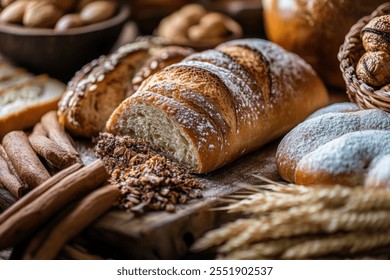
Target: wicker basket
(350, 52)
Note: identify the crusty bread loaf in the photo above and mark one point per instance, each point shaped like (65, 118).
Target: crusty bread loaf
(100, 86)
(339, 144)
(315, 29)
(26, 99)
(218, 105)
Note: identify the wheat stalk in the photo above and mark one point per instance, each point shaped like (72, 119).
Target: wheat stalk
(264, 250)
(220, 235)
(286, 221)
(353, 242)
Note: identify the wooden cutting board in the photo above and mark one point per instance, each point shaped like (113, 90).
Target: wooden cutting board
(162, 235)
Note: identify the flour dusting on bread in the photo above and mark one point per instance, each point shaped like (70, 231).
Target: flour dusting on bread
(339, 147)
(216, 106)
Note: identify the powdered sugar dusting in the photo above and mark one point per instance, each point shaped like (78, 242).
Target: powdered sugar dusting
(223, 60)
(247, 104)
(282, 64)
(195, 101)
(314, 132)
(343, 107)
(379, 173)
(346, 158)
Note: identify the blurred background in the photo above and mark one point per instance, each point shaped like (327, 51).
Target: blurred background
(314, 29)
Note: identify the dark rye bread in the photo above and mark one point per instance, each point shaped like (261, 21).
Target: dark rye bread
(100, 86)
(214, 106)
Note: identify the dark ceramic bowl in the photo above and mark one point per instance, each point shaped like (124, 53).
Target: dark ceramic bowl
(60, 53)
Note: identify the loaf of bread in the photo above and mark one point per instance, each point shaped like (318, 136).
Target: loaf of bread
(100, 86)
(340, 144)
(25, 98)
(315, 29)
(218, 105)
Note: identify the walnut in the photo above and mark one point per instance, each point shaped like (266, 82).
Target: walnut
(376, 34)
(373, 68)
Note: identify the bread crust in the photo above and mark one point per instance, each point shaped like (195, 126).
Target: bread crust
(100, 86)
(336, 145)
(222, 81)
(30, 114)
(97, 89)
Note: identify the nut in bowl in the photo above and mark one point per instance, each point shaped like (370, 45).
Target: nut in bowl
(364, 58)
(194, 26)
(58, 39)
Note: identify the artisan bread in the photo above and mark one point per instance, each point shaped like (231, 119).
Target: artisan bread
(338, 145)
(26, 99)
(218, 105)
(100, 86)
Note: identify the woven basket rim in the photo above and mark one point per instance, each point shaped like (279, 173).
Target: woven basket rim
(366, 96)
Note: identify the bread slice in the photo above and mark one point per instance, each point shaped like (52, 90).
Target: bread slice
(23, 105)
(8, 72)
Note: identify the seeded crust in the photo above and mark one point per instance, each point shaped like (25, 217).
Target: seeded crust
(97, 89)
(100, 86)
(214, 107)
(160, 59)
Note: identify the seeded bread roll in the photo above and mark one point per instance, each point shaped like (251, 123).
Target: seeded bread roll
(218, 105)
(339, 144)
(100, 86)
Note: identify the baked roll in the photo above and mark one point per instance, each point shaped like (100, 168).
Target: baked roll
(340, 144)
(218, 105)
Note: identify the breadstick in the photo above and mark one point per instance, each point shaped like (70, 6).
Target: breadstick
(24, 159)
(57, 133)
(52, 152)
